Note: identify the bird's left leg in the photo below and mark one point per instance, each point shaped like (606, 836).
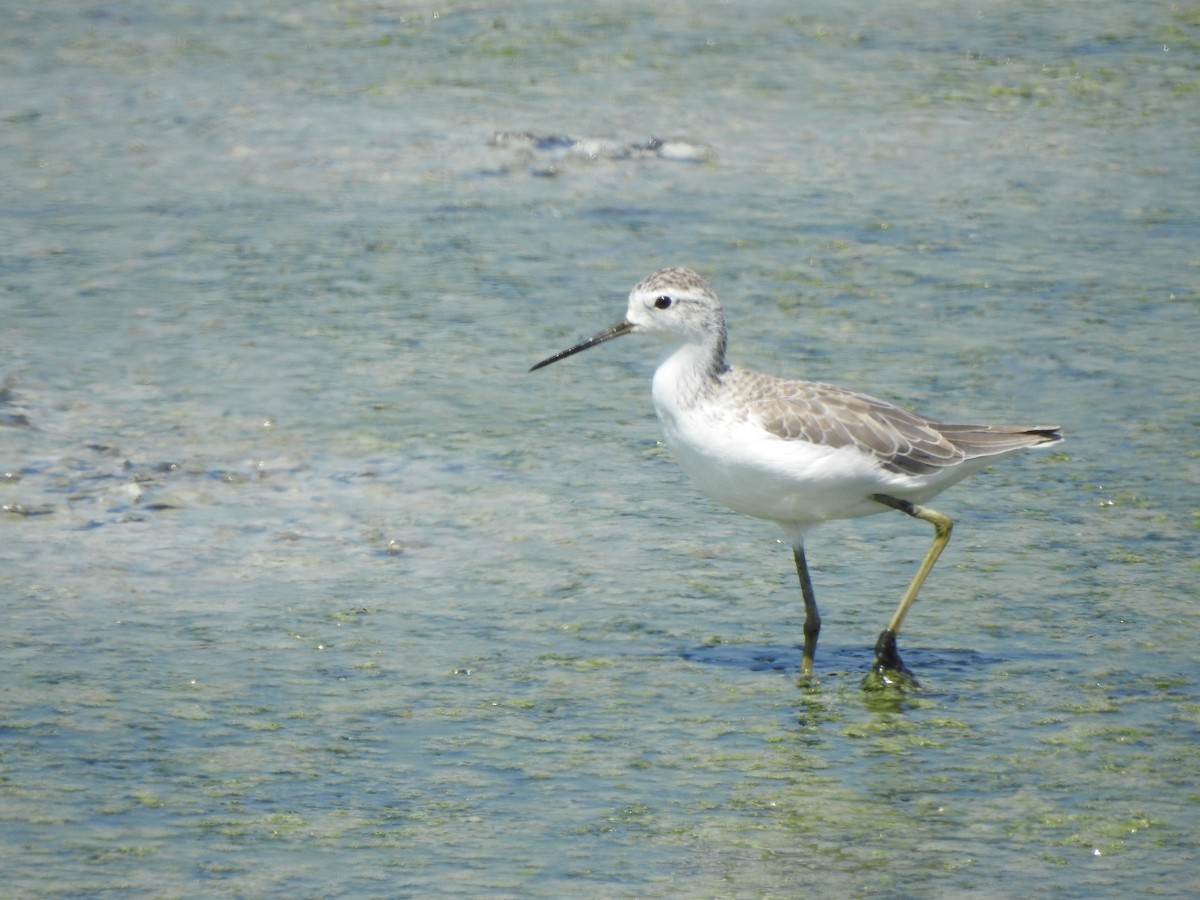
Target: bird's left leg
(886, 655)
(812, 618)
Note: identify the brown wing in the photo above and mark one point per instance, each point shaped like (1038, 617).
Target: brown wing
(902, 441)
(826, 414)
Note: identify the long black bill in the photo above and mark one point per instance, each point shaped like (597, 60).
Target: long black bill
(606, 335)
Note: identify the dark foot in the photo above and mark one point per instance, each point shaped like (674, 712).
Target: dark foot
(888, 674)
(888, 666)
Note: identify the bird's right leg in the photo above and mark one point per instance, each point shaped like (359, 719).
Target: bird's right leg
(886, 655)
(812, 618)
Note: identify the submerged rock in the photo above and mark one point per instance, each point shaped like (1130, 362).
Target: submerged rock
(546, 154)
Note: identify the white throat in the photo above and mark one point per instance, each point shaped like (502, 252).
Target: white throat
(686, 374)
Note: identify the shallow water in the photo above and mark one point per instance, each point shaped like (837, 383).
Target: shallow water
(310, 589)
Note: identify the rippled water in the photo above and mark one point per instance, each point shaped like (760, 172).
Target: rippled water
(310, 589)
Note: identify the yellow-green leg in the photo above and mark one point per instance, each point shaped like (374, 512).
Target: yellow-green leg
(886, 655)
(812, 618)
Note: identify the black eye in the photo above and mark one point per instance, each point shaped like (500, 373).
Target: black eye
(662, 302)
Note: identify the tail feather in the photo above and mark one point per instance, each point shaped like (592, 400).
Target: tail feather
(993, 440)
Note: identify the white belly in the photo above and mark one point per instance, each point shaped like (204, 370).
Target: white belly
(792, 482)
(761, 475)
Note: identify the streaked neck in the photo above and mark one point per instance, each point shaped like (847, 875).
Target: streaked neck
(689, 372)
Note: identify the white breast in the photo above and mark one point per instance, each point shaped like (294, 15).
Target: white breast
(741, 465)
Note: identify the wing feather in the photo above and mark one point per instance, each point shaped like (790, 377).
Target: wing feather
(902, 441)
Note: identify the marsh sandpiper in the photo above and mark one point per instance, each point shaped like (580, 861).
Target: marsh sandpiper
(798, 453)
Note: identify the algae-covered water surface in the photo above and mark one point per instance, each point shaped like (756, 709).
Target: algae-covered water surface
(309, 589)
